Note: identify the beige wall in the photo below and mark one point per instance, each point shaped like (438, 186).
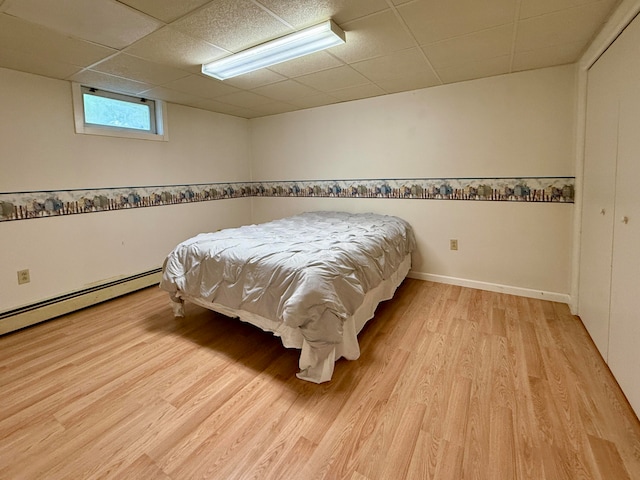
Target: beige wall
(507, 126)
(514, 125)
(40, 151)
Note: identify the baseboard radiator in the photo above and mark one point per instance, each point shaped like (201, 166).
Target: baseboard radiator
(18, 318)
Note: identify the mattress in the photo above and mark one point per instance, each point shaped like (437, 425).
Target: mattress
(303, 278)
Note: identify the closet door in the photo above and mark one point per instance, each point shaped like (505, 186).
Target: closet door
(624, 337)
(598, 197)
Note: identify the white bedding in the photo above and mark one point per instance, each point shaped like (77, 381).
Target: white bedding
(309, 274)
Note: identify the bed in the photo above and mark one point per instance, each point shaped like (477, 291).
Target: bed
(313, 279)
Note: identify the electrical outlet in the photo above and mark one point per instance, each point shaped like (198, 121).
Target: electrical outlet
(23, 277)
(453, 244)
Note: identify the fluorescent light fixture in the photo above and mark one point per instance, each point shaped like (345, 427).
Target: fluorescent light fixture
(304, 42)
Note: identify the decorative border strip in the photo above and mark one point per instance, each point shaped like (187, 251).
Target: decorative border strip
(41, 204)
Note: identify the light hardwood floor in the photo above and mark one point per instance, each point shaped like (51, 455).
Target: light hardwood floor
(453, 383)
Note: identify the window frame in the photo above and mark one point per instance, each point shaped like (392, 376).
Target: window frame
(158, 116)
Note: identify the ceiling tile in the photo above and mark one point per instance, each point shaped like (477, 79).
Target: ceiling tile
(407, 62)
(489, 43)
(314, 100)
(413, 81)
(36, 64)
(109, 82)
(573, 25)
(546, 57)
(212, 105)
(138, 69)
(358, 92)
(201, 86)
(233, 25)
(219, 107)
(225, 108)
(307, 64)
(399, 72)
(165, 10)
(175, 49)
(285, 91)
(392, 45)
(372, 36)
(431, 21)
(533, 8)
(169, 95)
(86, 20)
(478, 69)
(303, 13)
(198, 102)
(274, 108)
(334, 79)
(32, 39)
(252, 114)
(245, 99)
(255, 79)
(245, 113)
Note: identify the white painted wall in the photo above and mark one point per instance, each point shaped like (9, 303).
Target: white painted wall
(41, 151)
(507, 126)
(514, 125)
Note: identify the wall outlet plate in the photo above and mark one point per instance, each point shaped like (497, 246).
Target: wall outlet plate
(453, 244)
(23, 277)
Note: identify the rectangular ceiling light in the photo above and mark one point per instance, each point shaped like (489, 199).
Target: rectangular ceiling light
(304, 42)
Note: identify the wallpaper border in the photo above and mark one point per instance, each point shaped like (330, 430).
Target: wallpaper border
(54, 203)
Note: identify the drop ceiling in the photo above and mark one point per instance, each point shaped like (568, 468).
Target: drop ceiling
(155, 48)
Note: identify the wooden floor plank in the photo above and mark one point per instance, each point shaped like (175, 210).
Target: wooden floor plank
(451, 383)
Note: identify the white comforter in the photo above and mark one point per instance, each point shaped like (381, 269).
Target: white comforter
(310, 271)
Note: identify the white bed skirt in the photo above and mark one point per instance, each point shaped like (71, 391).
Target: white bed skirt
(316, 364)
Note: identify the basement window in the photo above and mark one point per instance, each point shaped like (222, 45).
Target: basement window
(101, 112)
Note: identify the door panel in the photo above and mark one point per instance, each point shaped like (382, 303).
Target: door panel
(624, 339)
(598, 200)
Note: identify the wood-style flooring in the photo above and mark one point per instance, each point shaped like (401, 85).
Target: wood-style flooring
(452, 383)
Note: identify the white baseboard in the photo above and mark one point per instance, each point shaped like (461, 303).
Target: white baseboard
(63, 304)
(493, 287)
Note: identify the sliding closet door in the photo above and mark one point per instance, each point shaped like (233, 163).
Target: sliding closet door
(598, 198)
(624, 339)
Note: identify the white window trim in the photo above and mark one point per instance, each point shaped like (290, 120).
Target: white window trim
(162, 134)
